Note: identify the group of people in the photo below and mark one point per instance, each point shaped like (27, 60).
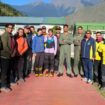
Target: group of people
(46, 53)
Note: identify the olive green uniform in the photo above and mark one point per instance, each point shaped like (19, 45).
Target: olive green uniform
(77, 50)
(65, 42)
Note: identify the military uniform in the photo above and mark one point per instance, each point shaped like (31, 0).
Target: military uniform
(77, 48)
(65, 42)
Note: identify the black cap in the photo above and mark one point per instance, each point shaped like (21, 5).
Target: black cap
(58, 28)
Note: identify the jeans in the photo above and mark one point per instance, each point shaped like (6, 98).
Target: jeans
(88, 66)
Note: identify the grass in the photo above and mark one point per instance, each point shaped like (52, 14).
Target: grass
(102, 92)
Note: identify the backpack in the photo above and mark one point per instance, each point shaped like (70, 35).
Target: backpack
(51, 43)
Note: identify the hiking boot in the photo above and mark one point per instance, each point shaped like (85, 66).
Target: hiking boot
(40, 75)
(36, 75)
(46, 73)
(40, 72)
(36, 72)
(51, 74)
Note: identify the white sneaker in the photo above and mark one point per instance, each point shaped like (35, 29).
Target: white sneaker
(5, 90)
(90, 81)
(85, 79)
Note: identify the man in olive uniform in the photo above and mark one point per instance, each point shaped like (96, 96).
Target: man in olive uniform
(77, 47)
(65, 41)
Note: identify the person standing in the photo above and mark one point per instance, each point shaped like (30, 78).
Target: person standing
(33, 33)
(5, 56)
(22, 47)
(88, 54)
(33, 30)
(77, 47)
(38, 49)
(44, 30)
(56, 63)
(28, 53)
(98, 60)
(66, 39)
(101, 50)
(50, 52)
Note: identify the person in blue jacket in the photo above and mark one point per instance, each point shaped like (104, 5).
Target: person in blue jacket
(88, 54)
(38, 49)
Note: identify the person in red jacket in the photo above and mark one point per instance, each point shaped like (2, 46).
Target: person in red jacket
(22, 47)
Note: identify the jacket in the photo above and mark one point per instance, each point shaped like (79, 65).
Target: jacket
(101, 49)
(97, 54)
(88, 48)
(22, 45)
(38, 44)
(6, 46)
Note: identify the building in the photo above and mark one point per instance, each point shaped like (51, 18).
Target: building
(37, 22)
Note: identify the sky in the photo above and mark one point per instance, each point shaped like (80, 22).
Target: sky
(21, 2)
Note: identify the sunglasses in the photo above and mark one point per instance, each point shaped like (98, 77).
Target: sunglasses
(88, 33)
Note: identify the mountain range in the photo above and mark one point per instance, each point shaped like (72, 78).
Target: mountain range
(56, 8)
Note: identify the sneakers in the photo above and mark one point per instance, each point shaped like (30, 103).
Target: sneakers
(85, 79)
(20, 81)
(5, 89)
(90, 81)
(13, 84)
